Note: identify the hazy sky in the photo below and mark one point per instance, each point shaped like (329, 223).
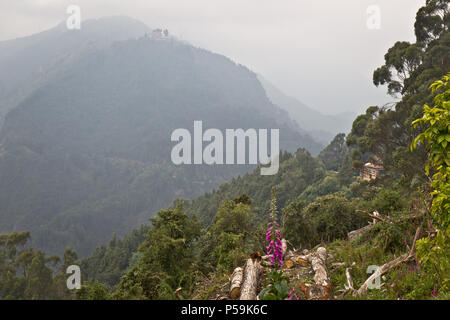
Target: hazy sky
(321, 52)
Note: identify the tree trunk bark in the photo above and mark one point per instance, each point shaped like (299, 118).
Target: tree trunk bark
(322, 287)
(236, 282)
(318, 262)
(252, 274)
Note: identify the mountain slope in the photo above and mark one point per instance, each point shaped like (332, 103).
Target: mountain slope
(26, 63)
(321, 127)
(87, 152)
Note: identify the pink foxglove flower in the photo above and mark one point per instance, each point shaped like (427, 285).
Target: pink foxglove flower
(273, 236)
(292, 295)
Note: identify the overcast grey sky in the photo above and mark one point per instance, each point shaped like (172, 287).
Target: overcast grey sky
(321, 52)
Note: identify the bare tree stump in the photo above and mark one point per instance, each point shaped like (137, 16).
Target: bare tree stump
(236, 282)
(303, 261)
(314, 291)
(252, 273)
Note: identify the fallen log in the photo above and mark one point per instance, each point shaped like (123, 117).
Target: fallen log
(318, 262)
(320, 290)
(252, 273)
(381, 271)
(353, 234)
(315, 291)
(375, 217)
(301, 260)
(236, 282)
(389, 266)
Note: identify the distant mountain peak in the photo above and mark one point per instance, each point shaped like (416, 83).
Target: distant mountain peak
(320, 126)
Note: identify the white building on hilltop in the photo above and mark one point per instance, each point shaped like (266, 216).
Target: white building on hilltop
(158, 34)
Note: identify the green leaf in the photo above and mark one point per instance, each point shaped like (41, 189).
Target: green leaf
(263, 293)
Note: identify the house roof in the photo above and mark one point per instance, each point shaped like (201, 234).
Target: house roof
(374, 166)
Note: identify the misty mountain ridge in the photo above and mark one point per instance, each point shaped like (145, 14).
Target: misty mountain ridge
(26, 63)
(322, 127)
(85, 144)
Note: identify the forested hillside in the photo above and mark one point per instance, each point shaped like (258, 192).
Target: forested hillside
(319, 206)
(29, 62)
(312, 230)
(87, 152)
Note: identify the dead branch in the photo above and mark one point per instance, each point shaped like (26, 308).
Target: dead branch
(177, 295)
(389, 266)
(376, 217)
(349, 278)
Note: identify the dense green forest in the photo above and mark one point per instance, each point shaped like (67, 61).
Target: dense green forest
(190, 249)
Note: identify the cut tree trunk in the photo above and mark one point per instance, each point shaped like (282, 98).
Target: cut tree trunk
(236, 282)
(252, 273)
(322, 287)
(302, 260)
(288, 264)
(318, 262)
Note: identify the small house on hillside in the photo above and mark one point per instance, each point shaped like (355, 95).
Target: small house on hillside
(371, 171)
